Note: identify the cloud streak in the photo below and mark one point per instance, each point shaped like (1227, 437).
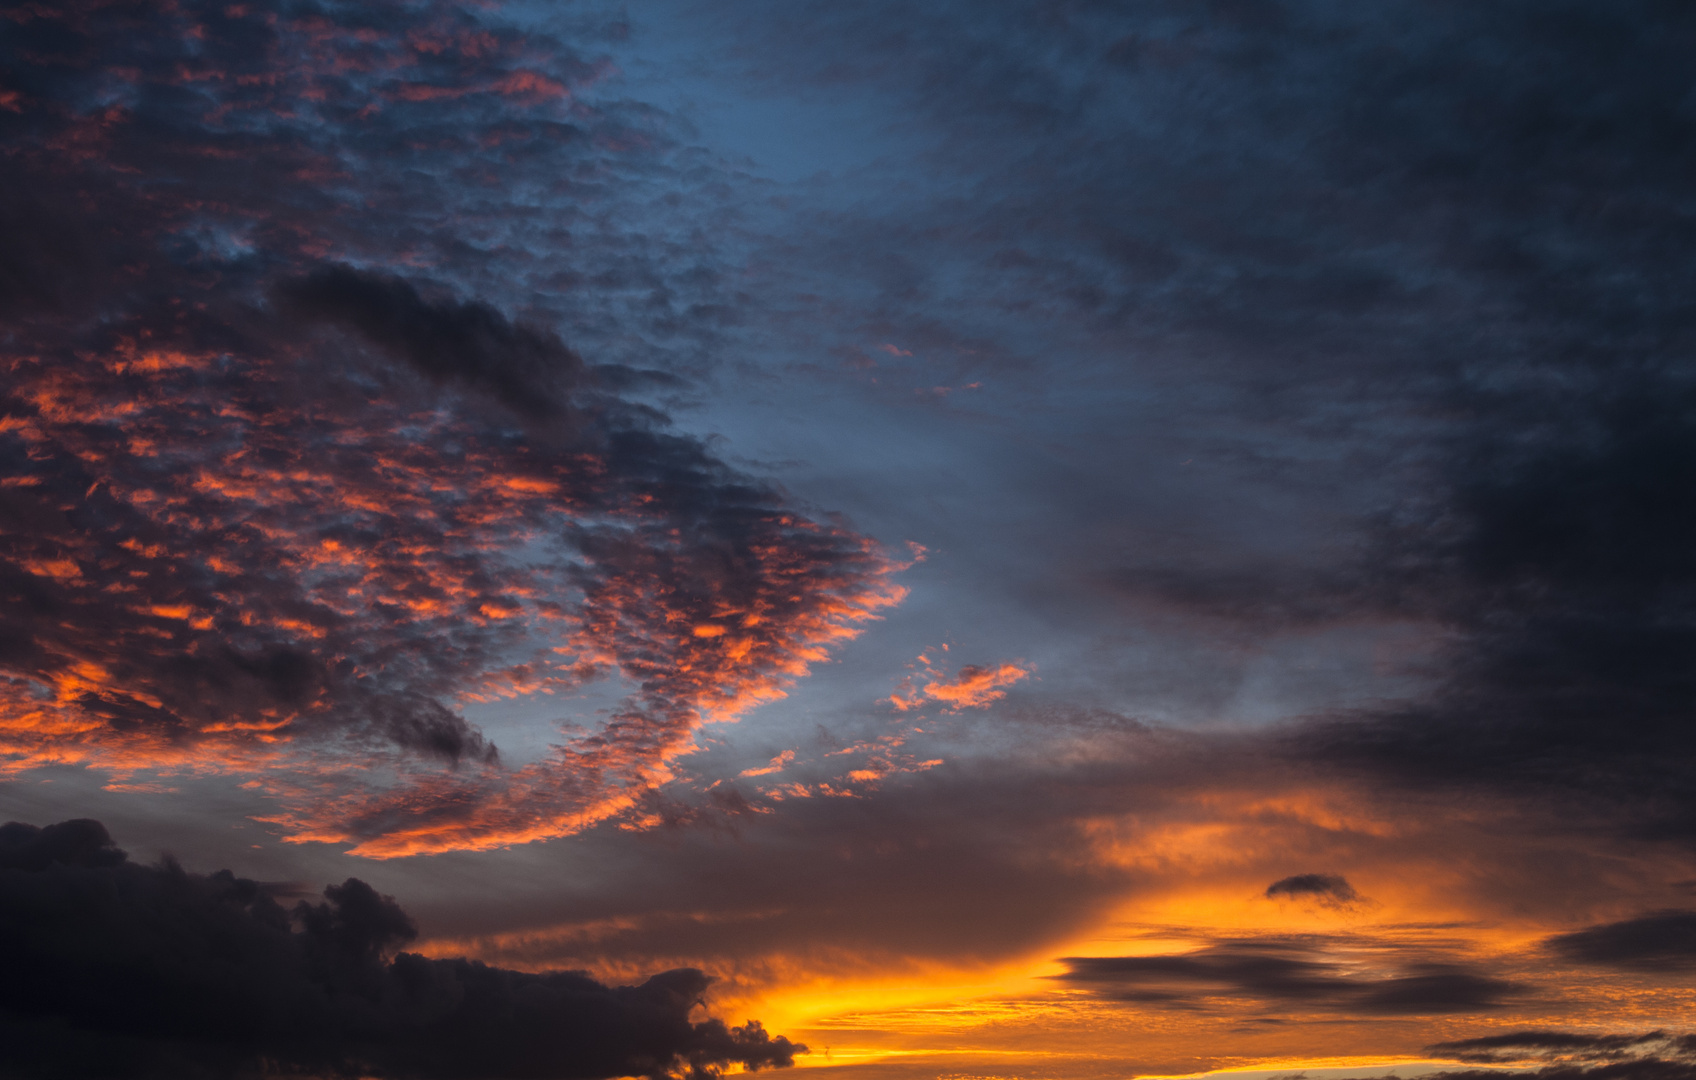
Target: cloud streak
(1287, 975)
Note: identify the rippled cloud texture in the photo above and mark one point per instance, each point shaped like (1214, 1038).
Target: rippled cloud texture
(280, 511)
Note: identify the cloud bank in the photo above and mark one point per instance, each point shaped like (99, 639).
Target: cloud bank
(117, 969)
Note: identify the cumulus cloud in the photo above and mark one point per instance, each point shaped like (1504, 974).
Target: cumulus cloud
(160, 972)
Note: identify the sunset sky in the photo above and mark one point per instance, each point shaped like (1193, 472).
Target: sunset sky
(900, 539)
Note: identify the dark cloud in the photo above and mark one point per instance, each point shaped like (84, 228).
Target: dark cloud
(1289, 975)
(1653, 1055)
(1517, 1046)
(1660, 941)
(528, 370)
(1423, 272)
(116, 969)
(80, 842)
(1560, 561)
(1635, 1069)
(1327, 888)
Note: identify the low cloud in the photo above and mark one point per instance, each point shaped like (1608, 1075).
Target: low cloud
(1290, 974)
(1325, 888)
(1565, 1047)
(1660, 941)
(165, 973)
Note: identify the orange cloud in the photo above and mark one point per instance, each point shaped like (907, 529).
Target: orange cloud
(286, 517)
(973, 687)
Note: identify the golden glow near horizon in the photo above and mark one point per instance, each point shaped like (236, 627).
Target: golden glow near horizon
(1417, 909)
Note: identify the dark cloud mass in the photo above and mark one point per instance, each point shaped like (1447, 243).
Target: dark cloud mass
(1563, 1055)
(1518, 1046)
(529, 371)
(1661, 940)
(1434, 261)
(1327, 888)
(1288, 975)
(117, 969)
(1647, 1068)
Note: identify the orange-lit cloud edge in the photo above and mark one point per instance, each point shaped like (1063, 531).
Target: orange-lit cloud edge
(697, 658)
(293, 559)
(1451, 889)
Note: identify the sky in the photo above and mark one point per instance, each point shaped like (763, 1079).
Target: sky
(995, 540)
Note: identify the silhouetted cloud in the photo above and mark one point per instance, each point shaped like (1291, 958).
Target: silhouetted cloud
(1288, 974)
(1634, 1069)
(1661, 940)
(1520, 1046)
(1652, 1055)
(115, 969)
(1327, 888)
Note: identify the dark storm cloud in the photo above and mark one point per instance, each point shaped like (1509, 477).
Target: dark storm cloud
(1660, 941)
(1287, 974)
(116, 969)
(293, 489)
(1329, 888)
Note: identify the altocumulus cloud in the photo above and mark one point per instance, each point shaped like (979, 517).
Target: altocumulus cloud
(283, 510)
(114, 969)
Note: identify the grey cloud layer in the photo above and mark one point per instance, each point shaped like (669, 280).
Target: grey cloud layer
(1412, 283)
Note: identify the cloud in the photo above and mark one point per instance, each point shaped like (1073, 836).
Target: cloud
(973, 687)
(1430, 391)
(528, 370)
(1564, 1046)
(1635, 1069)
(295, 490)
(1659, 941)
(1287, 974)
(162, 972)
(1559, 562)
(1325, 888)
